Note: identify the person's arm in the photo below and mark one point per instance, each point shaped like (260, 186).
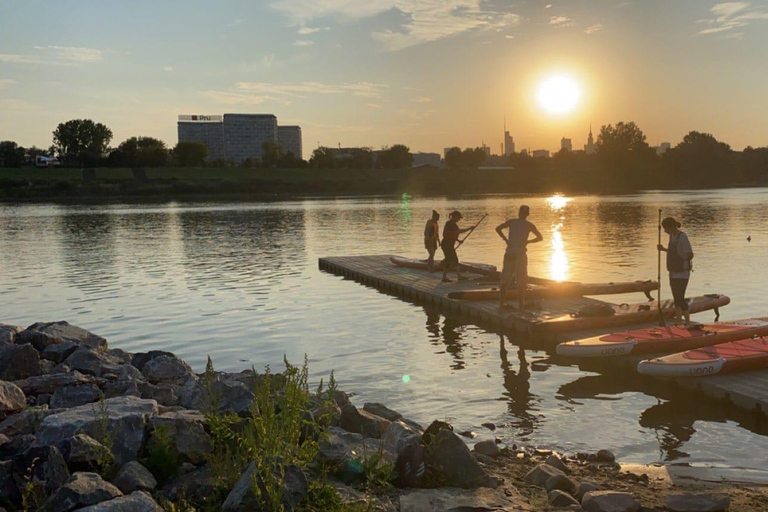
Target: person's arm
(538, 238)
(661, 248)
(464, 230)
(499, 230)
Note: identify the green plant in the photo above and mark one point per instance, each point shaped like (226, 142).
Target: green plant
(377, 472)
(105, 462)
(32, 493)
(162, 458)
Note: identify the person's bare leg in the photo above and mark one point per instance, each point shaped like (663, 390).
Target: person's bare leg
(431, 260)
(502, 293)
(445, 272)
(687, 314)
(678, 315)
(521, 294)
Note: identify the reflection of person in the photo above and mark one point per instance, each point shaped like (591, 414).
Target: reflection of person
(432, 238)
(451, 232)
(516, 257)
(679, 256)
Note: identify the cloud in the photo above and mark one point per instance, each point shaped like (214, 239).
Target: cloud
(14, 104)
(509, 37)
(305, 31)
(561, 21)
(373, 105)
(594, 28)
(5, 82)
(732, 15)
(301, 90)
(421, 99)
(303, 43)
(301, 12)
(56, 56)
(235, 98)
(264, 62)
(169, 69)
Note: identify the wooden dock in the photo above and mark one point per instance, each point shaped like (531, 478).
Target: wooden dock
(748, 390)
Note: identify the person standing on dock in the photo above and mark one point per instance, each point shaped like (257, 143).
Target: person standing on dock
(679, 256)
(432, 238)
(516, 255)
(451, 232)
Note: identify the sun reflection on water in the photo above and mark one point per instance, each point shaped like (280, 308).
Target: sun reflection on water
(558, 265)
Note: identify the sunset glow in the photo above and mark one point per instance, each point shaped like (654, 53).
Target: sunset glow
(559, 94)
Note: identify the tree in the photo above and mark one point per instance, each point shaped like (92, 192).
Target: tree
(625, 158)
(11, 154)
(624, 137)
(701, 158)
(271, 153)
(81, 141)
(190, 154)
(473, 158)
(323, 158)
(140, 152)
(453, 158)
(33, 152)
(396, 157)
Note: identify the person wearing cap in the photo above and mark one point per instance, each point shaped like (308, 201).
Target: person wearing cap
(432, 238)
(679, 256)
(451, 232)
(516, 255)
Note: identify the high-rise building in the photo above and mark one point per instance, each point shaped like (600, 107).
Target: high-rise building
(289, 139)
(540, 153)
(565, 144)
(589, 147)
(244, 135)
(432, 159)
(662, 148)
(206, 129)
(509, 143)
(486, 149)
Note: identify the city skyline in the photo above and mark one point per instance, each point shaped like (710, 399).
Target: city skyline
(388, 71)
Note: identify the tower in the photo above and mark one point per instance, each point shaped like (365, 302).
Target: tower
(509, 143)
(589, 148)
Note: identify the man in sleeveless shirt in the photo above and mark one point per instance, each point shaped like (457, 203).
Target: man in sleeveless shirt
(451, 232)
(432, 238)
(516, 257)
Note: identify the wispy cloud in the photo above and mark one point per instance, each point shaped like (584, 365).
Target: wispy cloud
(561, 21)
(14, 104)
(305, 31)
(733, 15)
(594, 28)
(256, 93)
(301, 12)
(238, 98)
(55, 55)
(169, 69)
(303, 42)
(373, 105)
(5, 82)
(421, 99)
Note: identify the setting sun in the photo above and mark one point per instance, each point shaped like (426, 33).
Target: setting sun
(559, 94)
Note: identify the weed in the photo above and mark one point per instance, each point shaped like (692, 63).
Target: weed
(162, 458)
(105, 462)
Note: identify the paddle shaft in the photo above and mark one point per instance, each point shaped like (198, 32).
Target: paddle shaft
(662, 323)
(471, 230)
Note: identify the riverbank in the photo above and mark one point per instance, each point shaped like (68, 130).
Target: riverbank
(90, 427)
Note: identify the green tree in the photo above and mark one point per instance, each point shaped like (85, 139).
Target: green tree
(622, 138)
(190, 154)
(626, 161)
(323, 158)
(453, 158)
(754, 163)
(140, 152)
(473, 158)
(81, 141)
(271, 153)
(33, 152)
(11, 154)
(396, 157)
(701, 159)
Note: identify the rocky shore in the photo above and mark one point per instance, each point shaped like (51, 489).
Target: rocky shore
(92, 428)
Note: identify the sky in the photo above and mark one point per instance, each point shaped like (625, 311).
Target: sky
(430, 74)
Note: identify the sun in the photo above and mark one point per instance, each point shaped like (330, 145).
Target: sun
(559, 94)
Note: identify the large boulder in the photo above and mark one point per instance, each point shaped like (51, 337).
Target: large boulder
(83, 453)
(134, 477)
(561, 499)
(541, 473)
(24, 422)
(186, 431)
(43, 334)
(233, 396)
(8, 333)
(448, 499)
(82, 490)
(362, 422)
(488, 448)
(19, 362)
(125, 418)
(168, 369)
(242, 498)
(12, 399)
(399, 434)
(41, 466)
(449, 457)
(707, 502)
(559, 482)
(348, 451)
(139, 359)
(94, 362)
(137, 501)
(164, 394)
(609, 501)
(73, 396)
(58, 352)
(51, 382)
(194, 486)
(382, 411)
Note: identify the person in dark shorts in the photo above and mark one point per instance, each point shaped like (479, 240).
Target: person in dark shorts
(432, 238)
(516, 257)
(679, 256)
(451, 232)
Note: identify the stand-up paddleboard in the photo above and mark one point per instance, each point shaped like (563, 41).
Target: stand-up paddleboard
(611, 315)
(556, 290)
(736, 356)
(657, 340)
(478, 268)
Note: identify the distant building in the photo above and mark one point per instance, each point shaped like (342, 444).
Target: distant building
(662, 148)
(206, 129)
(446, 150)
(509, 143)
(486, 149)
(289, 140)
(540, 153)
(589, 147)
(420, 159)
(565, 144)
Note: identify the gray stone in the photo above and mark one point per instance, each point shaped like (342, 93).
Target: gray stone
(134, 477)
(362, 422)
(58, 352)
(346, 451)
(560, 499)
(141, 358)
(19, 362)
(167, 369)
(327, 414)
(44, 334)
(43, 465)
(448, 499)
(707, 502)
(243, 499)
(83, 453)
(609, 501)
(81, 490)
(73, 396)
(399, 434)
(93, 362)
(488, 447)
(605, 456)
(341, 398)
(559, 482)
(483, 459)
(585, 487)
(187, 432)
(451, 459)
(248, 378)
(126, 419)
(193, 486)
(541, 473)
(130, 372)
(12, 399)
(382, 411)
(163, 394)
(232, 397)
(50, 383)
(137, 501)
(8, 333)
(122, 388)
(556, 462)
(24, 422)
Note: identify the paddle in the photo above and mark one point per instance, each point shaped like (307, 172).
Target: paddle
(662, 322)
(471, 230)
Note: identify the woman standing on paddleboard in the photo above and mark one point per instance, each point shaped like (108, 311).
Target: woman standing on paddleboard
(679, 256)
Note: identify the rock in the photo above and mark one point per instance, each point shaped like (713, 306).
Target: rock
(186, 430)
(489, 426)
(164, 394)
(483, 459)
(58, 352)
(488, 447)
(585, 487)
(560, 499)
(448, 499)
(83, 453)
(134, 477)
(362, 422)
(122, 388)
(556, 462)
(382, 411)
(73, 396)
(131, 373)
(18, 362)
(433, 429)
(541, 473)
(398, 435)
(50, 383)
(448, 456)
(94, 362)
(14, 446)
(9, 491)
(41, 465)
(193, 486)
(126, 416)
(8, 333)
(141, 358)
(12, 399)
(609, 501)
(327, 414)
(43, 334)
(346, 451)
(688, 502)
(468, 433)
(232, 397)
(605, 456)
(167, 369)
(81, 490)
(25, 422)
(341, 398)
(243, 499)
(559, 482)
(135, 502)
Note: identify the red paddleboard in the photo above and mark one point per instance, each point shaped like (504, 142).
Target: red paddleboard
(736, 356)
(655, 340)
(557, 290)
(478, 268)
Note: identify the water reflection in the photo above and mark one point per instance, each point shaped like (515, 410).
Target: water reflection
(521, 403)
(451, 334)
(89, 251)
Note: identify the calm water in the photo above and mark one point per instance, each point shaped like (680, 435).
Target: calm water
(239, 282)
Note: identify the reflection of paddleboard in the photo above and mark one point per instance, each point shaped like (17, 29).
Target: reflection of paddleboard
(656, 340)
(736, 356)
(478, 268)
(626, 314)
(555, 290)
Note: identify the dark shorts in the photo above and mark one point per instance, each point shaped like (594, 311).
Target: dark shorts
(515, 265)
(451, 258)
(678, 287)
(431, 245)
